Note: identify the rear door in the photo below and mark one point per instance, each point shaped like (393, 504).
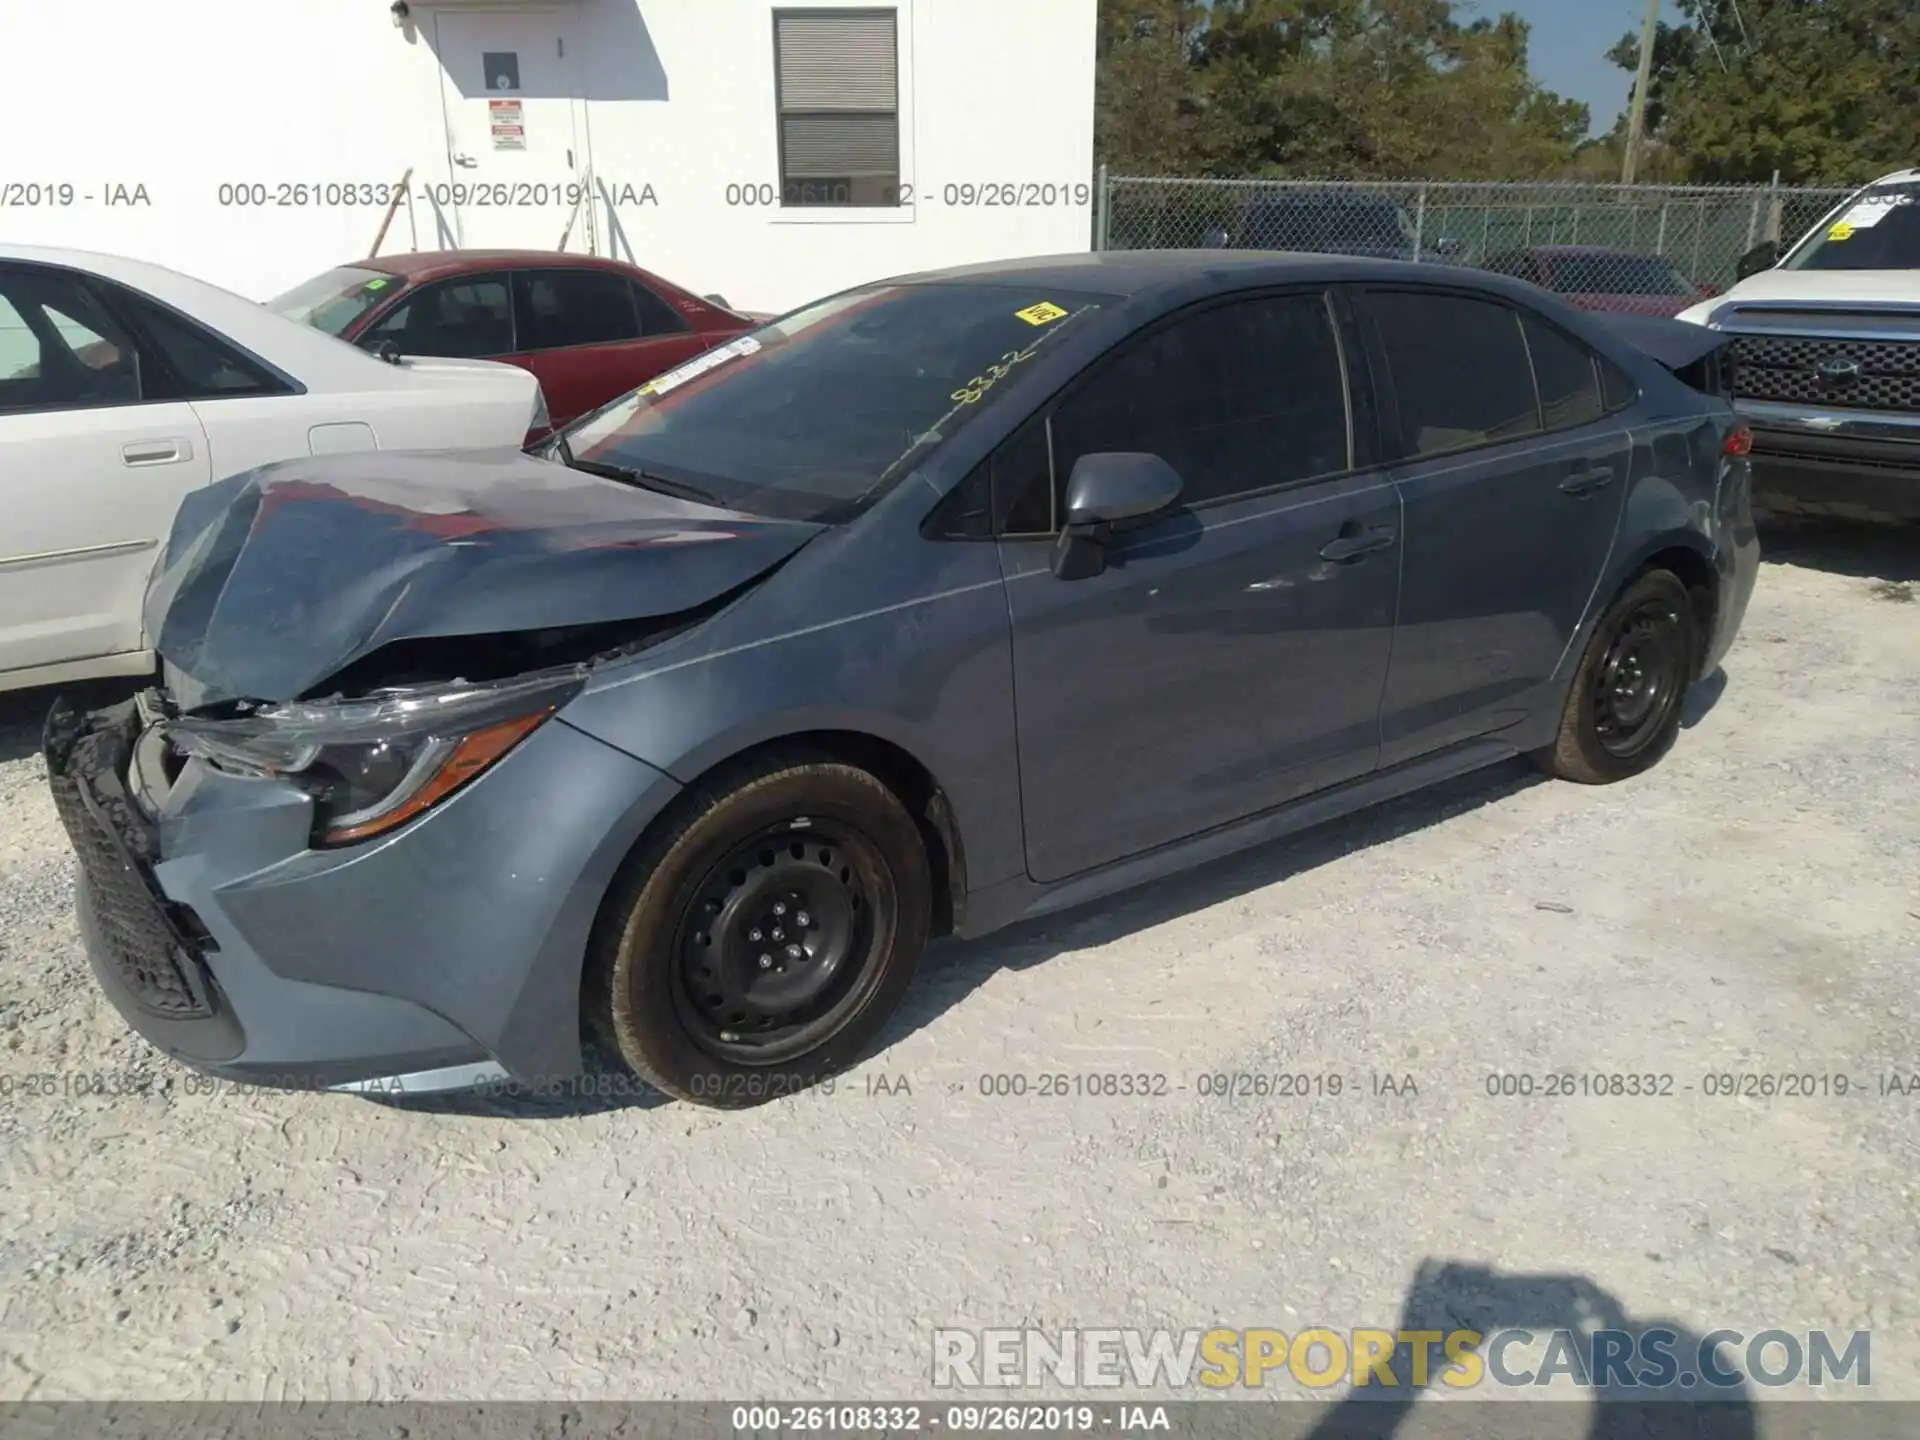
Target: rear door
(1230, 656)
(1513, 470)
(590, 335)
(96, 452)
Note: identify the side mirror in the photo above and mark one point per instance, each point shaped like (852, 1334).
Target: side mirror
(1763, 256)
(1104, 490)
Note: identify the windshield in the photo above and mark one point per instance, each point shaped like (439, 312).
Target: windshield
(1615, 275)
(1880, 230)
(333, 301)
(815, 416)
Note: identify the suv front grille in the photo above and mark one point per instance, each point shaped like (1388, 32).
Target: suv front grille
(145, 944)
(1786, 368)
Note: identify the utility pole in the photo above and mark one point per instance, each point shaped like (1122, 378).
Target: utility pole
(1637, 119)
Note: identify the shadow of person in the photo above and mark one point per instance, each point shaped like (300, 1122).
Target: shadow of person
(1642, 1376)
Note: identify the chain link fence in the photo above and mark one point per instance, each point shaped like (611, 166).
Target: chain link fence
(1652, 247)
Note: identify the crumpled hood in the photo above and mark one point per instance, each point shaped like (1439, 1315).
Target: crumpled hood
(274, 580)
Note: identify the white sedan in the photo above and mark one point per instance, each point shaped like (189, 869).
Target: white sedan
(124, 385)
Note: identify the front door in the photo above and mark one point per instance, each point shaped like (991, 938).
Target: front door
(510, 85)
(1230, 657)
(1514, 476)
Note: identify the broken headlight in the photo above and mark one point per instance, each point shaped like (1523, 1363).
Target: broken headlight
(373, 763)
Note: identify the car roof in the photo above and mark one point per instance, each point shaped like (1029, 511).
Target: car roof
(1609, 251)
(1899, 177)
(418, 265)
(1138, 273)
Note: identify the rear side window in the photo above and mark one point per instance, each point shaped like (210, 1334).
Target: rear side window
(656, 316)
(1617, 389)
(1237, 398)
(1568, 378)
(1460, 370)
(200, 365)
(464, 319)
(562, 308)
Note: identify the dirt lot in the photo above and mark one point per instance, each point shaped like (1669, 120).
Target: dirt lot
(1752, 906)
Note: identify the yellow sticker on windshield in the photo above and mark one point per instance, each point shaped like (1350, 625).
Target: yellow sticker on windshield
(1842, 231)
(1040, 314)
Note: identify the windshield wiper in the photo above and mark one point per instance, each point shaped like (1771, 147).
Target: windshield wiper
(646, 480)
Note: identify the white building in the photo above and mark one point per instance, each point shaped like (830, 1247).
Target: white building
(767, 150)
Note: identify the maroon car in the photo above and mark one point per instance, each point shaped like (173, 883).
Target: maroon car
(590, 328)
(1595, 278)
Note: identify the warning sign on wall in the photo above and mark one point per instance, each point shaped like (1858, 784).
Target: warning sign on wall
(509, 127)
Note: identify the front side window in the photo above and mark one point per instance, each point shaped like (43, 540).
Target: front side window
(1237, 398)
(1879, 231)
(1460, 370)
(59, 348)
(837, 103)
(335, 301)
(470, 318)
(818, 414)
(559, 309)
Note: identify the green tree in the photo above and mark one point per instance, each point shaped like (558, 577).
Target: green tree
(1324, 87)
(1824, 91)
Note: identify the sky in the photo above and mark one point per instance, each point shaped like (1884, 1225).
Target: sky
(1570, 43)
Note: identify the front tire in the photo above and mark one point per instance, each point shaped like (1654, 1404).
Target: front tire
(1623, 709)
(757, 944)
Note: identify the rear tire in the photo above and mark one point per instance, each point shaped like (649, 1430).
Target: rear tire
(757, 943)
(1622, 711)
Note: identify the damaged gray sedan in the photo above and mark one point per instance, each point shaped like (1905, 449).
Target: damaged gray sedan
(937, 604)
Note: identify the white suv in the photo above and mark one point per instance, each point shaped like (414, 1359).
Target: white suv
(1827, 359)
(124, 386)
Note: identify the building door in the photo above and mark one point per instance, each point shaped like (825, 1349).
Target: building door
(510, 84)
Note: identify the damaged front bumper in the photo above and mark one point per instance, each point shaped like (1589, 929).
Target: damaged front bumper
(445, 954)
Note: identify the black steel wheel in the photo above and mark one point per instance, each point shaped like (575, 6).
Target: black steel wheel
(1623, 708)
(756, 942)
(777, 941)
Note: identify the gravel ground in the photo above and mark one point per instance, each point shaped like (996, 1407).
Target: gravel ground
(1750, 906)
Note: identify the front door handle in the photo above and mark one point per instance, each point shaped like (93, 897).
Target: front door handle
(1354, 544)
(156, 452)
(1587, 479)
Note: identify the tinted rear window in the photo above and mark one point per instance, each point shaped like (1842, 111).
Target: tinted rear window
(1615, 275)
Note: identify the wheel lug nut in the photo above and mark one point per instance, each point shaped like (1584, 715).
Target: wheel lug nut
(766, 962)
(779, 907)
(803, 920)
(794, 952)
(754, 936)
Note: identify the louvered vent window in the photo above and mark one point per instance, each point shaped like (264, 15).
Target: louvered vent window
(837, 87)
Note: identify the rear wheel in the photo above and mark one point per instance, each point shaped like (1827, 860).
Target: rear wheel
(759, 942)
(1623, 708)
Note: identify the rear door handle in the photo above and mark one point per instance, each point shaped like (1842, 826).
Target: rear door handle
(1588, 479)
(156, 452)
(1351, 547)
